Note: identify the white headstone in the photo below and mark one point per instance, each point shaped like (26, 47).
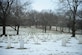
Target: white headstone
(64, 42)
(21, 43)
(9, 42)
(36, 39)
(80, 40)
(2, 38)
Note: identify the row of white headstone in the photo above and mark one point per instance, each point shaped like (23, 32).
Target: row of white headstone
(9, 42)
(64, 41)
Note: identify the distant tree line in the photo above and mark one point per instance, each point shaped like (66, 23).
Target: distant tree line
(12, 14)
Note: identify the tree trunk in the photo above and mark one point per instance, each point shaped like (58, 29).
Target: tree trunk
(50, 27)
(56, 28)
(4, 26)
(15, 27)
(18, 30)
(4, 30)
(73, 30)
(73, 26)
(74, 17)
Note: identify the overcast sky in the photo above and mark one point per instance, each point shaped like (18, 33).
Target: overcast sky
(40, 5)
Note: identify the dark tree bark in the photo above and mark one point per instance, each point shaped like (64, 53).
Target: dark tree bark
(18, 30)
(4, 30)
(73, 25)
(4, 25)
(56, 28)
(74, 18)
(50, 27)
(15, 27)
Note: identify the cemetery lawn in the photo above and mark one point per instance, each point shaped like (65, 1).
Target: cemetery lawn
(38, 43)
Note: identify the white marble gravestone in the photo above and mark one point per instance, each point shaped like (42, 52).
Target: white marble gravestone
(2, 38)
(36, 39)
(80, 40)
(21, 43)
(9, 42)
(64, 42)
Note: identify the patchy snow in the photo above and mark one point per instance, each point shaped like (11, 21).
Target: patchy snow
(40, 43)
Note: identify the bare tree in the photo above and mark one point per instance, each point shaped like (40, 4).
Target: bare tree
(5, 7)
(73, 8)
(72, 5)
(11, 9)
(19, 14)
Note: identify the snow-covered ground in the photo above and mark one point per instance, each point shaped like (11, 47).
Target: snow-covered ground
(38, 43)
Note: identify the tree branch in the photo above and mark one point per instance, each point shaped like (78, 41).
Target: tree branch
(69, 6)
(9, 3)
